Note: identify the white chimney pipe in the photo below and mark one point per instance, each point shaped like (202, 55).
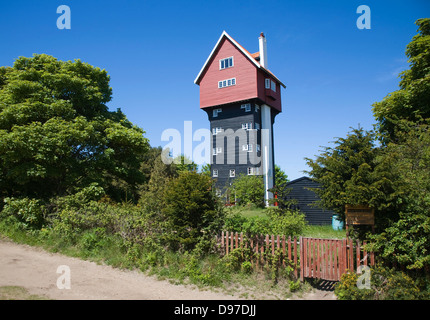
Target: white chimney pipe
(263, 50)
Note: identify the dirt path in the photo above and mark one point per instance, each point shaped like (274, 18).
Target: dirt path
(36, 271)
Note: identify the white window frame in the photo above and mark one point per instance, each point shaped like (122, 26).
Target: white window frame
(216, 130)
(226, 83)
(247, 147)
(216, 150)
(215, 112)
(270, 84)
(247, 126)
(232, 173)
(215, 173)
(273, 85)
(246, 106)
(225, 60)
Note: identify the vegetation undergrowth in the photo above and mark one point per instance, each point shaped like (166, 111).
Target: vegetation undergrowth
(88, 226)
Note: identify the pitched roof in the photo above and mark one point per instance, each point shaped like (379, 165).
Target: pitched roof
(252, 57)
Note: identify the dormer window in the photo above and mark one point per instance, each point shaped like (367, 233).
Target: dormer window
(226, 63)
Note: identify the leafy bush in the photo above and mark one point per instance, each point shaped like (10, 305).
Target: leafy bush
(29, 213)
(191, 210)
(277, 221)
(385, 284)
(249, 190)
(286, 222)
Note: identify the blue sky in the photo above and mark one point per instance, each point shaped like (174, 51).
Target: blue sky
(153, 50)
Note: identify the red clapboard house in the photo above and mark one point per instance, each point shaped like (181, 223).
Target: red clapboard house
(241, 97)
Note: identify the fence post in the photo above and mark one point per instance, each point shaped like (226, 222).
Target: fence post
(364, 254)
(295, 257)
(237, 240)
(301, 259)
(357, 254)
(226, 242)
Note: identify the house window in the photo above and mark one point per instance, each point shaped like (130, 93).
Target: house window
(226, 63)
(247, 147)
(216, 130)
(226, 83)
(247, 126)
(273, 85)
(217, 150)
(253, 171)
(215, 112)
(257, 108)
(270, 84)
(246, 106)
(215, 173)
(232, 173)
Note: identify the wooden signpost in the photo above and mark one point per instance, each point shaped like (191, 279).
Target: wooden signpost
(359, 215)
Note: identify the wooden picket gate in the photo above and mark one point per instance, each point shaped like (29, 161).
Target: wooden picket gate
(325, 259)
(328, 259)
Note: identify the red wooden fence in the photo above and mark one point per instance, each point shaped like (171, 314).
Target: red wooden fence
(325, 259)
(328, 259)
(261, 246)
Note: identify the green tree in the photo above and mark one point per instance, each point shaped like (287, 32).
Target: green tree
(206, 170)
(192, 211)
(348, 174)
(412, 101)
(57, 134)
(184, 164)
(248, 189)
(403, 121)
(406, 240)
(153, 193)
(281, 177)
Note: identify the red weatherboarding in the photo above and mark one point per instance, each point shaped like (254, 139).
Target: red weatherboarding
(251, 80)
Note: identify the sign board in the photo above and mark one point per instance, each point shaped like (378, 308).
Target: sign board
(359, 215)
